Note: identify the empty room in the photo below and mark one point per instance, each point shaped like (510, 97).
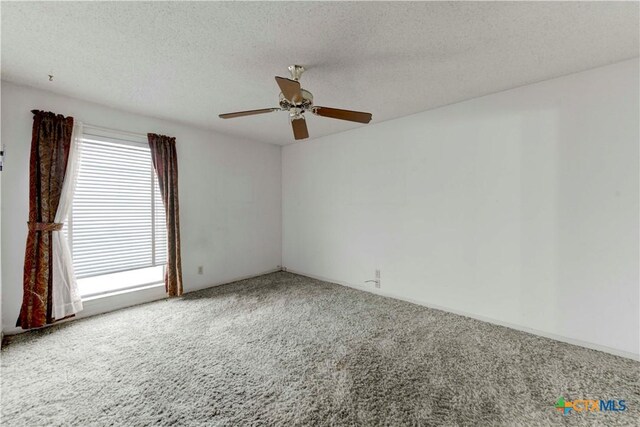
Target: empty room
(320, 213)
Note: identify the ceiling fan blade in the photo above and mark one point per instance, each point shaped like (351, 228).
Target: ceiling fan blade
(247, 113)
(300, 128)
(290, 89)
(335, 113)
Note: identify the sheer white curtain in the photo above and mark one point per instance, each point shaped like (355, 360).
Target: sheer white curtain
(66, 298)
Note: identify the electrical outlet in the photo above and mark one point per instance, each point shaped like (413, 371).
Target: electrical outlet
(376, 282)
(200, 269)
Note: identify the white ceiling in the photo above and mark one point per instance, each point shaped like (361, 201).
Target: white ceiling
(190, 61)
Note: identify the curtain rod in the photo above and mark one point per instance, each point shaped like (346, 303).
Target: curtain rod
(121, 132)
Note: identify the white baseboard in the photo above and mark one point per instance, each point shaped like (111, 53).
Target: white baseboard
(236, 279)
(568, 340)
(119, 300)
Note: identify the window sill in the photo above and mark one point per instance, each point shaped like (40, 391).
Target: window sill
(93, 297)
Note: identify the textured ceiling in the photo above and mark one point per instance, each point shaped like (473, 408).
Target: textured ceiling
(190, 61)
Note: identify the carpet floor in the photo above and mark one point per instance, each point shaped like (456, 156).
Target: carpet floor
(283, 349)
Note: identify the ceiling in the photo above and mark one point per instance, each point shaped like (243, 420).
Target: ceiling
(190, 61)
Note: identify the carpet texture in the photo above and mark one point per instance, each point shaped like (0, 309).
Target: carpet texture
(283, 349)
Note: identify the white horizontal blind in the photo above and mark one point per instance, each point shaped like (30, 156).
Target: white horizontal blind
(117, 221)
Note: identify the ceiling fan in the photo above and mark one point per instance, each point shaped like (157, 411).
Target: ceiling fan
(298, 101)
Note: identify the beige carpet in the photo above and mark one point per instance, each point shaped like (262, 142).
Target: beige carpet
(286, 350)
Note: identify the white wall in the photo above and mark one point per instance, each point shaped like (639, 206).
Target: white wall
(230, 195)
(519, 207)
(1, 319)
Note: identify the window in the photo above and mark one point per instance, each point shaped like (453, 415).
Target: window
(116, 228)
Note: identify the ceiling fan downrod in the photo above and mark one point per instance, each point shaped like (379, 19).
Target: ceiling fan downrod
(296, 72)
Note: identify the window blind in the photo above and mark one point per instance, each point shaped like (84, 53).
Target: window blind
(117, 221)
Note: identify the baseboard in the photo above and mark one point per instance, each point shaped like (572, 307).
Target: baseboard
(568, 340)
(120, 300)
(237, 279)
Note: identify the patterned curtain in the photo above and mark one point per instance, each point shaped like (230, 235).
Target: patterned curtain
(50, 145)
(165, 162)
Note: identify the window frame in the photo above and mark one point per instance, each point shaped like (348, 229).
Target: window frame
(108, 136)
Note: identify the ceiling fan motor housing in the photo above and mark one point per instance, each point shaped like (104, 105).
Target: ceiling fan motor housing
(296, 108)
(305, 104)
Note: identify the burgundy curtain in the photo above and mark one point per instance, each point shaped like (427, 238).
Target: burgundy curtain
(165, 162)
(50, 144)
